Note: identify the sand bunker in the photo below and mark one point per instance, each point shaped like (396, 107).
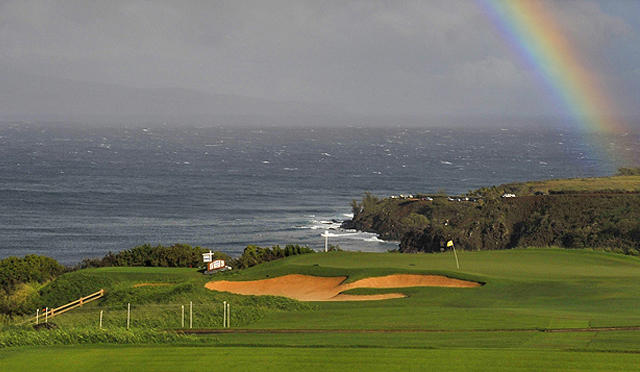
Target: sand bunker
(313, 288)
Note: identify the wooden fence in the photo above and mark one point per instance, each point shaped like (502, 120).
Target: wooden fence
(50, 313)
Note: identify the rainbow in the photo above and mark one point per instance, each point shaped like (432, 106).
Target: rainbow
(533, 34)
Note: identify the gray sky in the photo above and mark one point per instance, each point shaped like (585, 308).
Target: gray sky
(422, 58)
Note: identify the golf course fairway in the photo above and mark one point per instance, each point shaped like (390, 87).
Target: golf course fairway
(536, 310)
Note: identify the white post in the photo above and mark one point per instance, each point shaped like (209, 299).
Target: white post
(37, 315)
(326, 240)
(182, 316)
(191, 314)
(128, 314)
(101, 311)
(228, 315)
(224, 314)
(46, 315)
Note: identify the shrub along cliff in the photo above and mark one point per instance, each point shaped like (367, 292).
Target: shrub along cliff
(564, 213)
(20, 278)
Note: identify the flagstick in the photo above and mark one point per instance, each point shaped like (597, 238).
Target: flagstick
(456, 255)
(450, 244)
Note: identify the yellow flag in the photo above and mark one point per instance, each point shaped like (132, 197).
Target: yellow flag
(450, 243)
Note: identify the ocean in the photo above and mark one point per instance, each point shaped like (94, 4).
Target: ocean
(77, 191)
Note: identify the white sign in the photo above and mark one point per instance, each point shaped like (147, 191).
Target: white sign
(217, 264)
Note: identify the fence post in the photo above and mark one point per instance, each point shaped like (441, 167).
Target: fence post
(37, 315)
(224, 314)
(128, 314)
(101, 311)
(190, 314)
(182, 316)
(228, 315)
(46, 315)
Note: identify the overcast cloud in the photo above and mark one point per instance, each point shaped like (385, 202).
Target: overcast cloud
(422, 58)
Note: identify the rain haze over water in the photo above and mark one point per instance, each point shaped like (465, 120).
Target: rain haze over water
(73, 193)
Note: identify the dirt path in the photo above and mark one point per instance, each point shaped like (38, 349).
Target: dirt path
(552, 330)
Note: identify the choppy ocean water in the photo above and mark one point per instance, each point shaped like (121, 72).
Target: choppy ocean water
(75, 192)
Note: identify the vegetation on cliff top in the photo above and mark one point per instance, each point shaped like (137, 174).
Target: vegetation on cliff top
(571, 213)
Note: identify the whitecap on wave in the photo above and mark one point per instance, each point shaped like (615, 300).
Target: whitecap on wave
(374, 239)
(345, 237)
(324, 225)
(313, 223)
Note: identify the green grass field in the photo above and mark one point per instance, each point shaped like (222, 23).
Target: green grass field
(580, 185)
(257, 359)
(506, 324)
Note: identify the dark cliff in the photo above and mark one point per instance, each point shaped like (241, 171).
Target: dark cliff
(578, 220)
